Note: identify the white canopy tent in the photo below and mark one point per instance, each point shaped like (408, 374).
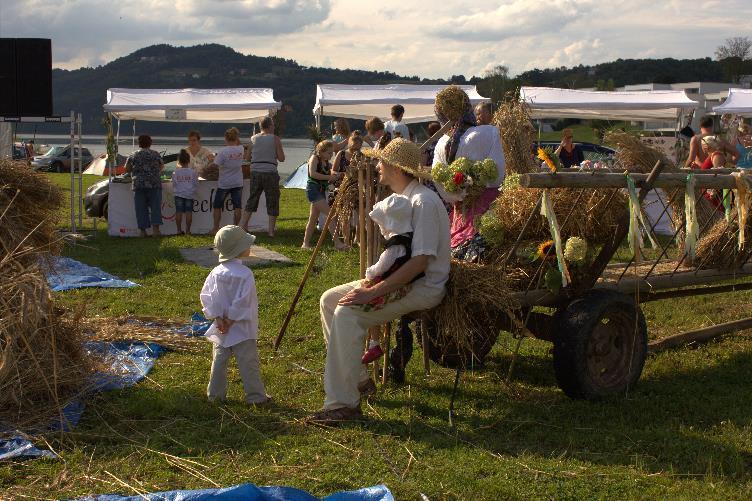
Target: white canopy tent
(366, 101)
(738, 102)
(192, 105)
(546, 102)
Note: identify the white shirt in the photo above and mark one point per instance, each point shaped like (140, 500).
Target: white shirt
(430, 235)
(184, 182)
(230, 291)
(393, 126)
(230, 162)
(477, 143)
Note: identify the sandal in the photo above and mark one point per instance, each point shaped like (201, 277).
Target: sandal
(333, 417)
(367, 388)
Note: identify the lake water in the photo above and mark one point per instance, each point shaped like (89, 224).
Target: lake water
(297, 151)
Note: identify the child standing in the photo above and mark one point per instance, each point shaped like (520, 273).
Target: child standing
(395, 127)
(229, 162)
(393, 215)
(184, 186)
(229, 297)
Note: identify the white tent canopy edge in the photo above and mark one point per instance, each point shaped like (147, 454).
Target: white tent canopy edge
(366, 101)
(548, 102)
(738, 102)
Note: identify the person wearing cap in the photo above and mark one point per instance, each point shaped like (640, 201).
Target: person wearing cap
(229, 297)
(345, 323)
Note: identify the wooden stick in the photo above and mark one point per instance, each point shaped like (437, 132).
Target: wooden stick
(424, 342)
(435, 137)
(290, 312)
(387, 342)
(362, 221)
(699, 335)
(610, 180)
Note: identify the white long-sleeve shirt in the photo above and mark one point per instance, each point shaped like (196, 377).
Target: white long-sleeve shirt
(386, 260)
(230, 291)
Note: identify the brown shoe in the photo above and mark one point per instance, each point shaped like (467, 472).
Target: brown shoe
(334, 417)
(367, 388)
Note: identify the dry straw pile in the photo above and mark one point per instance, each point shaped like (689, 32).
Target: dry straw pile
(517, 136)
(42, 362)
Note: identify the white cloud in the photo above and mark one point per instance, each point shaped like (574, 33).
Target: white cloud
(429, 39)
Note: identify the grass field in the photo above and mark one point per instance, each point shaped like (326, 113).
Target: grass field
(684, 432)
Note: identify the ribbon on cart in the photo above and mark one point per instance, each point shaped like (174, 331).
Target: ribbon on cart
(547, 211)
(742, 203)
(692, 231)
(727, 205)
(637, 219)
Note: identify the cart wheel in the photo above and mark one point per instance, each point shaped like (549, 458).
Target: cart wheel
(451, 355)
(600, 346)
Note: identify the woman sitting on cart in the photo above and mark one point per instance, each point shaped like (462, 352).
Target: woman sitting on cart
(474, 142)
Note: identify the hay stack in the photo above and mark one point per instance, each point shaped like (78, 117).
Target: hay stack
(464, 327)
(718, 247)
(42, 363)
(517, 136)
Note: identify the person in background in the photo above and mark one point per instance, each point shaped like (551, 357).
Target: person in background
(229, 297)
(377, 136)
(184, 186)
(697, 155)
(265, 151)
(145, 167)
(484, 113)
(744, 146)
(229, 162)
(341, 162)
(570, 154)
(29, 149)
(201, 157)
(341, 133)
(427, 154)
(395, 127)
(319, 176)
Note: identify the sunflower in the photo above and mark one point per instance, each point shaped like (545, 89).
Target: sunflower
(546, 251)
(542, 155)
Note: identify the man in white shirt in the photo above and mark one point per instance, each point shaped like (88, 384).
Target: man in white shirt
(345, 324)
(395, 127)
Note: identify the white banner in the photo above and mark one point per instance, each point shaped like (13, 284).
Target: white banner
(122, 212)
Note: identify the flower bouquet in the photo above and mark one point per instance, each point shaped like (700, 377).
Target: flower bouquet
(465, 179)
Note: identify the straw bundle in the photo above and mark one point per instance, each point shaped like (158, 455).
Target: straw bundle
(42, 363)
(346, 202)
(718, 248)
(143, 329)
(594, 215)
(517, 136)
(464, 327)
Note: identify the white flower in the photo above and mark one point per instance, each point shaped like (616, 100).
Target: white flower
(575, 250)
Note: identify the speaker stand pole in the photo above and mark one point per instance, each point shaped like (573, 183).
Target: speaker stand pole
(72, 155)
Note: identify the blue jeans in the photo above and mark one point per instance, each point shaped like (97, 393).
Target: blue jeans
(148, 200)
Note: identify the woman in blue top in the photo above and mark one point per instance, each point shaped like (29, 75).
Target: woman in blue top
(744, 147)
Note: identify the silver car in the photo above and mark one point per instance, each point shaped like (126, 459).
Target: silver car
(58, 159)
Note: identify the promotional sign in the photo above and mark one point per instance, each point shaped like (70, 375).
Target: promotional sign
(122, 212)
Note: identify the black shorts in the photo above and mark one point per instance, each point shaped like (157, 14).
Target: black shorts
(268, 184)
(236, 194)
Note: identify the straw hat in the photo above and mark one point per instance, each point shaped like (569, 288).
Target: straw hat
(401, 153)
(231, 240)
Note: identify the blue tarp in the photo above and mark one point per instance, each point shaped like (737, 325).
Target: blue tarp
(67, 273)
(298, 178)
(20, 446)
(250, 492)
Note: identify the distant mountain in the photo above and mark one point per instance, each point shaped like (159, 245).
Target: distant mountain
(213, 66)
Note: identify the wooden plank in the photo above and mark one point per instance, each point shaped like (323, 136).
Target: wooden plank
(611, 180)
(699, 335)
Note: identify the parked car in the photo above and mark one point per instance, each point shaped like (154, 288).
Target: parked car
(57, 159)
(96, 197)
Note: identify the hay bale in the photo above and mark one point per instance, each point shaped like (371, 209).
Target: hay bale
(477, 305)
(517, 136)
(634, 155)
(42, 362)
(718, 247)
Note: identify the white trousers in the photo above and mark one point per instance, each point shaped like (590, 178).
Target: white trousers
(246, 356)
(345, 329)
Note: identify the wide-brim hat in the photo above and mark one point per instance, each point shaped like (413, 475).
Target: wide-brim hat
(403, 154)
(231, 240)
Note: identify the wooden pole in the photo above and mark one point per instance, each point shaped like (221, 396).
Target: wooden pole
(699, 335)
(610, 180)
(362, 221)
(312, 259)
(435, 137)
(387, 342)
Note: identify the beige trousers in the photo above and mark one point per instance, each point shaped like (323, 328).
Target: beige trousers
(246, 356)
(345, 329)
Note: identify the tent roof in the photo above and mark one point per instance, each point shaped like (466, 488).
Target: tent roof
(365, 101)
(546, 102)
(191, 105)
(738, 102)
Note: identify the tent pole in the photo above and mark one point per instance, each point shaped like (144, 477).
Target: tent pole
(133, 136)
(72, 177)
(117, 145)
(317, 117)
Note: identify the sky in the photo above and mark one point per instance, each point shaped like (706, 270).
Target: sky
(429, 39)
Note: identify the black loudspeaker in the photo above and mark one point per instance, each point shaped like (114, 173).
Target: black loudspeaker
(30, 88)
